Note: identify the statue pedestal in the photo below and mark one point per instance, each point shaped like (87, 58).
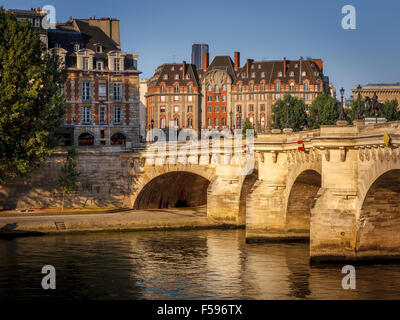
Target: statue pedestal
(341, 123)
(276, 131)
(359, 122)
(287, 130)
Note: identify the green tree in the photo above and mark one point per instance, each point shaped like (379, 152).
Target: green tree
(391, 112)
(32, 106)
(247, 126)
(68, 181)
(324, 107)
(296, 110)
(352, 111)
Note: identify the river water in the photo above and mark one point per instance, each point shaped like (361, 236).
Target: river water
(199, 264)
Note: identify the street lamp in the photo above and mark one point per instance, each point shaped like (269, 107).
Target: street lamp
(287, 114)
(341, 116)
(359, 115)
(152, 127)
(231, 115)
(276, 125)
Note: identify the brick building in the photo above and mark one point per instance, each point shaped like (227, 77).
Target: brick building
(224, 93)
(102, 88)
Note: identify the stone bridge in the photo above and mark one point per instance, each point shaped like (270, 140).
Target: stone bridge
(341, 191)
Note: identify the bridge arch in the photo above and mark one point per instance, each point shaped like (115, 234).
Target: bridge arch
(303, 186)
(172, 186)
(378, 231)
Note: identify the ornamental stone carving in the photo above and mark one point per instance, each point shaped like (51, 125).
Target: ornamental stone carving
(217, 77)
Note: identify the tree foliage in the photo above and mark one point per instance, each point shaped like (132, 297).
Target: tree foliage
(296, 110)
(32, 105)
(390, 110)
(247, 126)
(325, 109)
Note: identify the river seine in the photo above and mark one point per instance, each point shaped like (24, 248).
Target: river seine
(199, 264)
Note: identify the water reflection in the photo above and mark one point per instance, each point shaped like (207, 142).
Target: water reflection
(206, 264)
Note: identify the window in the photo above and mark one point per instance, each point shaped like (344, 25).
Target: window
(172, 68)
(253, 74)
(176, 108)
(216, 88)
(117, 91)
(277, 96)
(239, 97)
(217, 98)
(262, 96)
(280, 74)
(189, 109)
(263, 86)
(291, 86)
(209, 122)
(176, 122)
(209, 109)
(117, 115)
(190, 98)
(306, 96)
(262, 74)
(223, 121)
(177, 77)
(117, 64)
(189, 123)
(102, 90)
(223, 87)
(162, 109)
(162, 123)
(223, 109)
(86, 115)
(239, 108)
(209, 98)
(303, 74)
(262, 107)
(251, 108)
(102, 114)
(176, 98)
(251, 97)
(176, 88)
(162, 98)
(216, 122)
(188, 76)
(190, 88)
(85, 64)
(239, 87)
(99, 48)
(209, 88)
(243, 75)
(306, 86)
(216, 109)
(162, 89)
(165, 77)
(259, 66)
(99, 65)
(251, 87)
(251, 120)
(86, 91)
(76, 47)
(291, 74)
(37, 22)
(223, 97)
(277, 86)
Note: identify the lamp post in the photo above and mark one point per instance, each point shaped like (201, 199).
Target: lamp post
(152, 127)
(359, 115)
(276, 125)
(231, 115)
(341, 116)
(287, 115)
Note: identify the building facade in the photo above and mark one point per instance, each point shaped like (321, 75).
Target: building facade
(102, 87)
(383, 91)
(223, 94)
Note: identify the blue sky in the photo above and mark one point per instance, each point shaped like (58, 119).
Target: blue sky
(163, 31)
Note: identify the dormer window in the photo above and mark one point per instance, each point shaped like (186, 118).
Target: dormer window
(177, 77)
(243, 75)
(303, 74)
(165, 77)
(85, 64)
(99, 65)
(291, 74)
(280, 74)
(117, 64)
(251, 87)
(173, 68)
(99, 48)
(262, 74)
(77, 47)
(296, 65)
(259, 66)
(188, 76)
(253, 74)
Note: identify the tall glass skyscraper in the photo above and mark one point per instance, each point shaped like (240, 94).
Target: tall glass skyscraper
(198, 50)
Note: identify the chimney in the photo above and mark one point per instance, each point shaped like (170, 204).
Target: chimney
(248, 64)
(183, 69)
(237, 60)
(284, 66)
(205, 61)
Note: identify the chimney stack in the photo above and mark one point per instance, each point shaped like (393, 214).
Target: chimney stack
(284, 66)
(237, 60)
(248, 64)
(205, 61)
(183, 69)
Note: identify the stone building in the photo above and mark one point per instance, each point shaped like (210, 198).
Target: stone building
(223, 94)
(383, 91)
(102, 89)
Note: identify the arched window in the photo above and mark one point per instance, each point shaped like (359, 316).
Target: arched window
(209, 88)
(291, 86)
(118, 138)
(262, 121)
(262, 86)
(224, 87)
(162, 123)
(239, 87)
(306, 86)
(176, 88)
(209, 124)
(216, 88)
(86, 139)
(162, 89)
(189, 123)
(251, 87)
(190, 88)
(176, 122)
(277, 86)
(223, 121)
(251, 120)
